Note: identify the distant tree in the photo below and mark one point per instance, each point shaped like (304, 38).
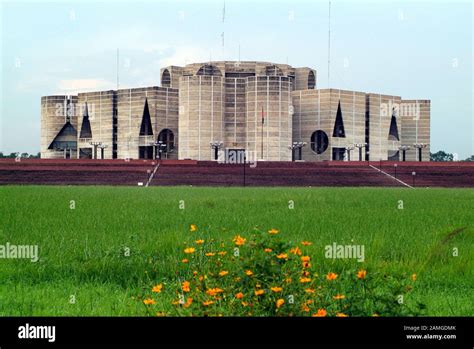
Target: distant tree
(471, 158)
(24, 155)
(441, 156)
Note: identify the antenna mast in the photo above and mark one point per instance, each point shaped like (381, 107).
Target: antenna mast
(118, 69)
(223, 32)
(329, 44)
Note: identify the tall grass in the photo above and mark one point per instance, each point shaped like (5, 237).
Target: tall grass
(84, 251)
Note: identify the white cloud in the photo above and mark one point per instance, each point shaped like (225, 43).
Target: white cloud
(74, 86)
(185, 55)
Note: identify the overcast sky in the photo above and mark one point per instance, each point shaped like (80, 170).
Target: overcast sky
(416, 51)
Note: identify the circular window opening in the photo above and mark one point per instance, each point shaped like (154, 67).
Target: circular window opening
(319, 141)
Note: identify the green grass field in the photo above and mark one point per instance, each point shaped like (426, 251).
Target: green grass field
(82, 249)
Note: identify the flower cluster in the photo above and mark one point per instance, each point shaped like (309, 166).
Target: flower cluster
(260, 274)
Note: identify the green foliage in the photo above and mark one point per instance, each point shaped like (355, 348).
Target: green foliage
(266, 276)
(83, 251)
(441, 156)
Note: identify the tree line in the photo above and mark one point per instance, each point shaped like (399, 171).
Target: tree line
(21, 155)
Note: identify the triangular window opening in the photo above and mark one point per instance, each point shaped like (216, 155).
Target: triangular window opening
(145, 128)
(339, 124)
(393, 133)
(65, 139)
(86, 125)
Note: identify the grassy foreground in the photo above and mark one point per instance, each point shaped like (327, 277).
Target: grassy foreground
(85, 267)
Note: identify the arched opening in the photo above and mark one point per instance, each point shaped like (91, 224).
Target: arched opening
(166, 78)
(166, 139)
(273, 70)
(210, 70)
(311, 80)
(319, 141)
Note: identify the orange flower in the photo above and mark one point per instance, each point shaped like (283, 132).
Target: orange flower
(282, 256)
(148, 301)
(273, 231)
(244, 304)
(192, 227)
(276, 289)
(306, 265)
(207, 303)
(309, 290)
(201, 278)
(210, 254)
(305, 258)
(222, 253)
(239, 295)
(239, 240)
(296, 251)
(279, 303)
(268, 250)
(199, 242)
(341, 315)
(223, 273)
(304, 280)
(186, 286)
(361, 274)
(305, 308)
(157, 288)
(214, 291)
(188, 303)
(331, 276)
(248, 273)
(306, 243)
(259, 292)
(339, 296)
(184, 260)
(413, 277)
(195, 272)
(306, 273)
(288, 280)
(189, 250)
(321, 313)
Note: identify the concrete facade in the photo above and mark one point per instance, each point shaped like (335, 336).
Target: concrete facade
(272, 111)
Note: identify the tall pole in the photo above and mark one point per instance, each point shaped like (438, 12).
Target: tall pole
(245, 160)
(329, 44)
(263, 122)
(117, 68)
